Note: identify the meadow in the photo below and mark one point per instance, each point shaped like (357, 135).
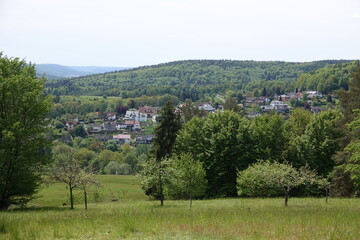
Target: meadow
(133, 216)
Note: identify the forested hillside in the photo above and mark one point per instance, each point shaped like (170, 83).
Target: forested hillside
(194, 79)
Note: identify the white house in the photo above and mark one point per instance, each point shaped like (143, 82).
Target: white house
(207, 107)
(135, 115)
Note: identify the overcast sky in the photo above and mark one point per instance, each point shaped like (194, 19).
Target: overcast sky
(144, 32)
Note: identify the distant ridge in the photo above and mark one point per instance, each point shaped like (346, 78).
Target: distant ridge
(201, 79)
(56, 71)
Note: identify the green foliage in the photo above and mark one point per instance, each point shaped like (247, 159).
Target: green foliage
(191, 79)
(326, 79)
(80, 131)
(350, 99)
(188, 179)
(190, 109)
(111, 145)
(220, 219)
(23, 144)
(231, 105)
(165, 132)
(222, 142)
(318, 143)
(66, 168)
(267, 179)
(268, 134)
(352, 165)
(154, 176)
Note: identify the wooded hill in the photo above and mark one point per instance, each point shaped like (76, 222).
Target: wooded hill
(197, 78)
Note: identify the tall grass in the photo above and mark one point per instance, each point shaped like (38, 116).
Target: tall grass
(208, 219)
(133, 216)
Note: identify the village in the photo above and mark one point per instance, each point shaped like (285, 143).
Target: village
(136, 125)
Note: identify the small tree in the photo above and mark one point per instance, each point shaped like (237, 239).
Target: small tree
(263, 178)
(153, 178)
(66, 168)
(188, 178)
(86, 180)
(80, 131)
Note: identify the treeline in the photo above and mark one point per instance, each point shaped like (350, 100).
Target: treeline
(191, 79)
(86, 106)
(326, 79)
(227, 143)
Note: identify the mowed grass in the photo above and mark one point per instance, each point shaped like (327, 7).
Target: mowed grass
(139, 218)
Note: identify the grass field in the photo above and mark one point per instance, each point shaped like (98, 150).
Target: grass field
(134, 217)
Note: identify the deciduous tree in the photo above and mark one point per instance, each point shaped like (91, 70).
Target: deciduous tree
(23, 112)
(264, 178)
(188, 178)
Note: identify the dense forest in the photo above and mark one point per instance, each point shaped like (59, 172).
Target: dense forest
(195, 79)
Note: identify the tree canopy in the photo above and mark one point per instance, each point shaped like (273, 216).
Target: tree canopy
(23, 144)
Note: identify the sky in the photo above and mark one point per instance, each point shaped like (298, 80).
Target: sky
(145, 32)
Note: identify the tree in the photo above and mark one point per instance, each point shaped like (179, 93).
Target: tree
(231, 105)
(268, 134)
(66, 169)
(350, 100)
(165, 132)
(23, 144)
(352, 165)
(86, 180)
(190, 110)
(222, 142)
(111, 145)
(266, 178)
(188, 179)
(153, 178)
(121, 110)
(80, 131)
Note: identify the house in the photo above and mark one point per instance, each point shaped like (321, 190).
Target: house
(313, 94)
(109, 126)
(135, 115)
(133, 125)
(71, 124)
(110, 116)
(153, 118)
(277, 106)
(92, 128)
(122, 138)
(277, 103)
(144, 139)
(206, 107)
(249, 101)
(285, 98)
(148, 111)
(103, 138)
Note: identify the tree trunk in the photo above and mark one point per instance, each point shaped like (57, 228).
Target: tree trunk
(71, 197)
(161, 201)
(326, 194)
(4, 200)
(190, 201)
(286, 197)
(85, 199)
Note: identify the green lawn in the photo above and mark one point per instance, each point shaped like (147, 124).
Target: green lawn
(135, 217)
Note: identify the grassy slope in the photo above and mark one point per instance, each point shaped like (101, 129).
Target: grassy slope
(133, 217)
(121, 188)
